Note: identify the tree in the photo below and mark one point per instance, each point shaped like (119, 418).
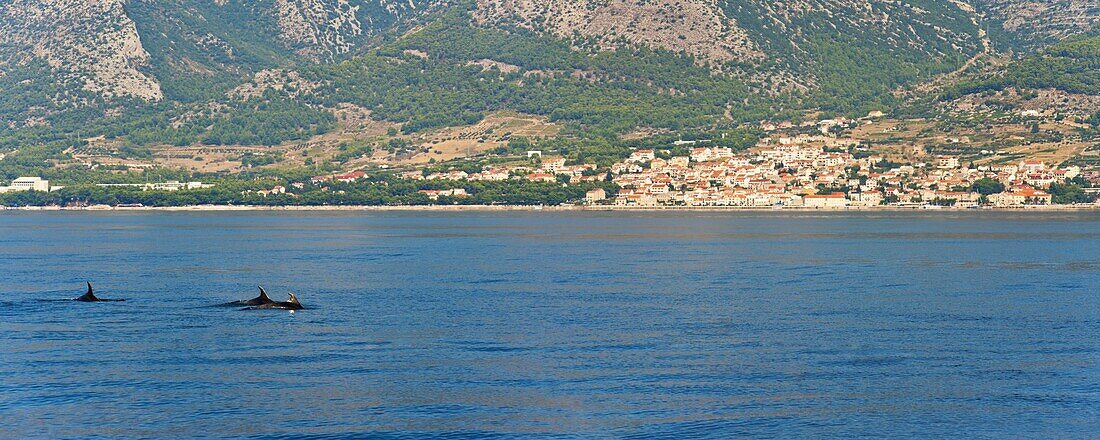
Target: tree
(1069, 193)
(986, 186)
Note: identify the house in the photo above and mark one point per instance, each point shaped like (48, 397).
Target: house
(541, 177)
(678, 161)
(1031, 167)
(620, 168)
(595, 195)
(866, 199)
(434, 194)
(552, 165)
(1041, 180)
(657, 188)
(495, 174)
(449, 175)
(642, 156)
(350, 177)
(702, 154)
(278, 189)
(832, 200)
(1020, 196)
(638, 200)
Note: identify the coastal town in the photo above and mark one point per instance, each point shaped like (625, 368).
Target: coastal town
(811, 171)
(820, 164)
(805, 171)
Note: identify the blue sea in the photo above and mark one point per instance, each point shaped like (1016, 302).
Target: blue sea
(552, 325)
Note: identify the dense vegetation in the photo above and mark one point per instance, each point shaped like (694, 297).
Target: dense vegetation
(854, 65)
(1072, 66)
(201, 48)
(375, 192)
(987, 186)
(608, 92)
(1071, 191)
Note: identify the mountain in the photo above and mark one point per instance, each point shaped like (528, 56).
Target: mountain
(1064, 76)
(1071, 66)
(699, 28)
(134, 47)
(93, 43)
(1023, 23)
(178, 72)
(227, 41)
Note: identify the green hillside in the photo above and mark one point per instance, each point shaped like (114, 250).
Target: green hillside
(1072, 66)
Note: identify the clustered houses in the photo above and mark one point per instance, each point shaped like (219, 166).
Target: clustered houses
(793, 172)
(345, 178)
(548, 171)
(348, 177)
(276, 190)
(171, 185)
(813, 171)
(434, 194)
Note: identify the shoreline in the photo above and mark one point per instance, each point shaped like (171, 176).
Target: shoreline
(538, 208)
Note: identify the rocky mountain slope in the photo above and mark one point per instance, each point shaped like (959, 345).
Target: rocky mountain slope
(136, 48)
(729, 30)
(173, 71)
(1041, 21)
(92, 42)
(696, 27)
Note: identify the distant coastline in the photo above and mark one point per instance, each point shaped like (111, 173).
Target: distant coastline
(558, 208)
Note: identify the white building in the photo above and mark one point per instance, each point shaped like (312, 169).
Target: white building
(27, 184)
(866, 198)
(173, 185)
(642, 156)
(170, 185)
(834, 200)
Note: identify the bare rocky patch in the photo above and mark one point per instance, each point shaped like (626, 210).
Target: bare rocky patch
(93, 40)
(696, 27)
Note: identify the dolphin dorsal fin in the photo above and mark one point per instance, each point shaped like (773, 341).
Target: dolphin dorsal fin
(90, 295)
(293, 299)
(263, 293)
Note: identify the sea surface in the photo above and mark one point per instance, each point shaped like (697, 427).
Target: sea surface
(552, 325)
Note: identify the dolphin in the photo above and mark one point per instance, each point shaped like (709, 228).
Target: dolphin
(290, 304)
(89, 296)
(257, 301)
